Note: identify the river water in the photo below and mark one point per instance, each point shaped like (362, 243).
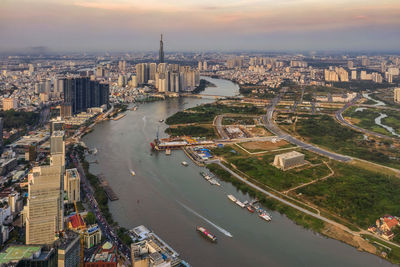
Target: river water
(172, 199)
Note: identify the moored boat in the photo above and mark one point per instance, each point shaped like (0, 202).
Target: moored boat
(133, 173)
(265, 216)
(204, 232)
(232, 198)
(184, 163)
(249, 208)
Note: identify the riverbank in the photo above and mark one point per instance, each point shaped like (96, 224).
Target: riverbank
(170, 199)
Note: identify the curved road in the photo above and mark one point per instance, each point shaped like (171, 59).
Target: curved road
(272, 127)
(339, 117)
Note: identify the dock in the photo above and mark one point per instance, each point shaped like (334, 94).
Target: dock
(112, 196)
(119, 117)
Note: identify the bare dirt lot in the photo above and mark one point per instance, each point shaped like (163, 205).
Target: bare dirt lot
(264, 145)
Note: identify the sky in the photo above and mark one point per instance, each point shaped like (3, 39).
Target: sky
(199, 25)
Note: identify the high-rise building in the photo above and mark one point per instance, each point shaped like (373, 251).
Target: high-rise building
(10, 103)
(45, 204)
(161, 55)
(72, 182)
(396, 92)
(142, 73)
(152, 71)
(1, 134)
(200, 66)
(83, 93)
(354, 75)
(205, 65)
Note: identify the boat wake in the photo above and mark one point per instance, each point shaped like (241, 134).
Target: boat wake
(222, 230)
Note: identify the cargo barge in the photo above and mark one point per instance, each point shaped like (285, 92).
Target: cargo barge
(203, 231)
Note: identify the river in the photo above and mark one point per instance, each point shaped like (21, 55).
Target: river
(172, 199)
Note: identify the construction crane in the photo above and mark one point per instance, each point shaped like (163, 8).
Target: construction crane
(82, 228)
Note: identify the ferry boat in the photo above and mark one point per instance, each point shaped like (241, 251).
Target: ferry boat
(206, 234)
(249, 208)
(265, 216)
(133, 173)
(184, 163)
(232, 198)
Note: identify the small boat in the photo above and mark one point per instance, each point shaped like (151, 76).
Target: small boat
(168, 152)
(203, 174)
(240, 204)
(204, 232)
(265, 216)
(249, 208)
(232, 198)
(133, 173)
(214, 182)
(161, 120)
(184, 163)
(207, 177)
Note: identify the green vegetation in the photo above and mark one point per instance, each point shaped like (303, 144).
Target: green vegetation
(261, 169)
(203, 85)
(192, 130)
(124, 236)
(393, 254)
(326, 132)
(238, 120)
(355, 194)
(357, 86)
(366, 119)
(18, 119)
(206, 113)
(300, 218)
(90, 218)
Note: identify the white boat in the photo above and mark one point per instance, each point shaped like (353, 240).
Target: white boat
(168, 152)
(232, 198)
(133, 173)
(184, 163)
(265, 216)
(207, 177)
(214, 182)
(240, 204)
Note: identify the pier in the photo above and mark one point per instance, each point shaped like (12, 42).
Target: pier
(112, 196)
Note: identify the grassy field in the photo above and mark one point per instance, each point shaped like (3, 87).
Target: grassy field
(206, 113)
(261, 169)
(356, 194)
(365, 118)
(326, 132)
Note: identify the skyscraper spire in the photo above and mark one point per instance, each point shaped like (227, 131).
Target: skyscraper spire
(161, 55)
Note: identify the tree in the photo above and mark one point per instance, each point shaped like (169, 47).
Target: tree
(90, 218)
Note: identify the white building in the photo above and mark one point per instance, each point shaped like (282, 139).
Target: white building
(289, 160)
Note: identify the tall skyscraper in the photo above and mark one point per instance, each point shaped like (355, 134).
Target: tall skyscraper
(161, 56)
(45, 204)
(82, 93)
(396, 93)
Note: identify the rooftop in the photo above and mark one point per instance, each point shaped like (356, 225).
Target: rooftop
(291, 154)
(16, 253)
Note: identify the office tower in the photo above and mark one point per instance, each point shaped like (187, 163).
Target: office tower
(162, 67)
(205, 65)
(83, 93)
(152, 71)
(396, 92)
(161, 56)
(142, 73)
(350, 64)
(47, 87)
(122, 80)
(200, 66)
(45, 200)
(69, 250)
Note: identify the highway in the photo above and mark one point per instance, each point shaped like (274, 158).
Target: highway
(220, 129)
(272, 127)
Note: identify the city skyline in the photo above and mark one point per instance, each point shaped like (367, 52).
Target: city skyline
(290, 25)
